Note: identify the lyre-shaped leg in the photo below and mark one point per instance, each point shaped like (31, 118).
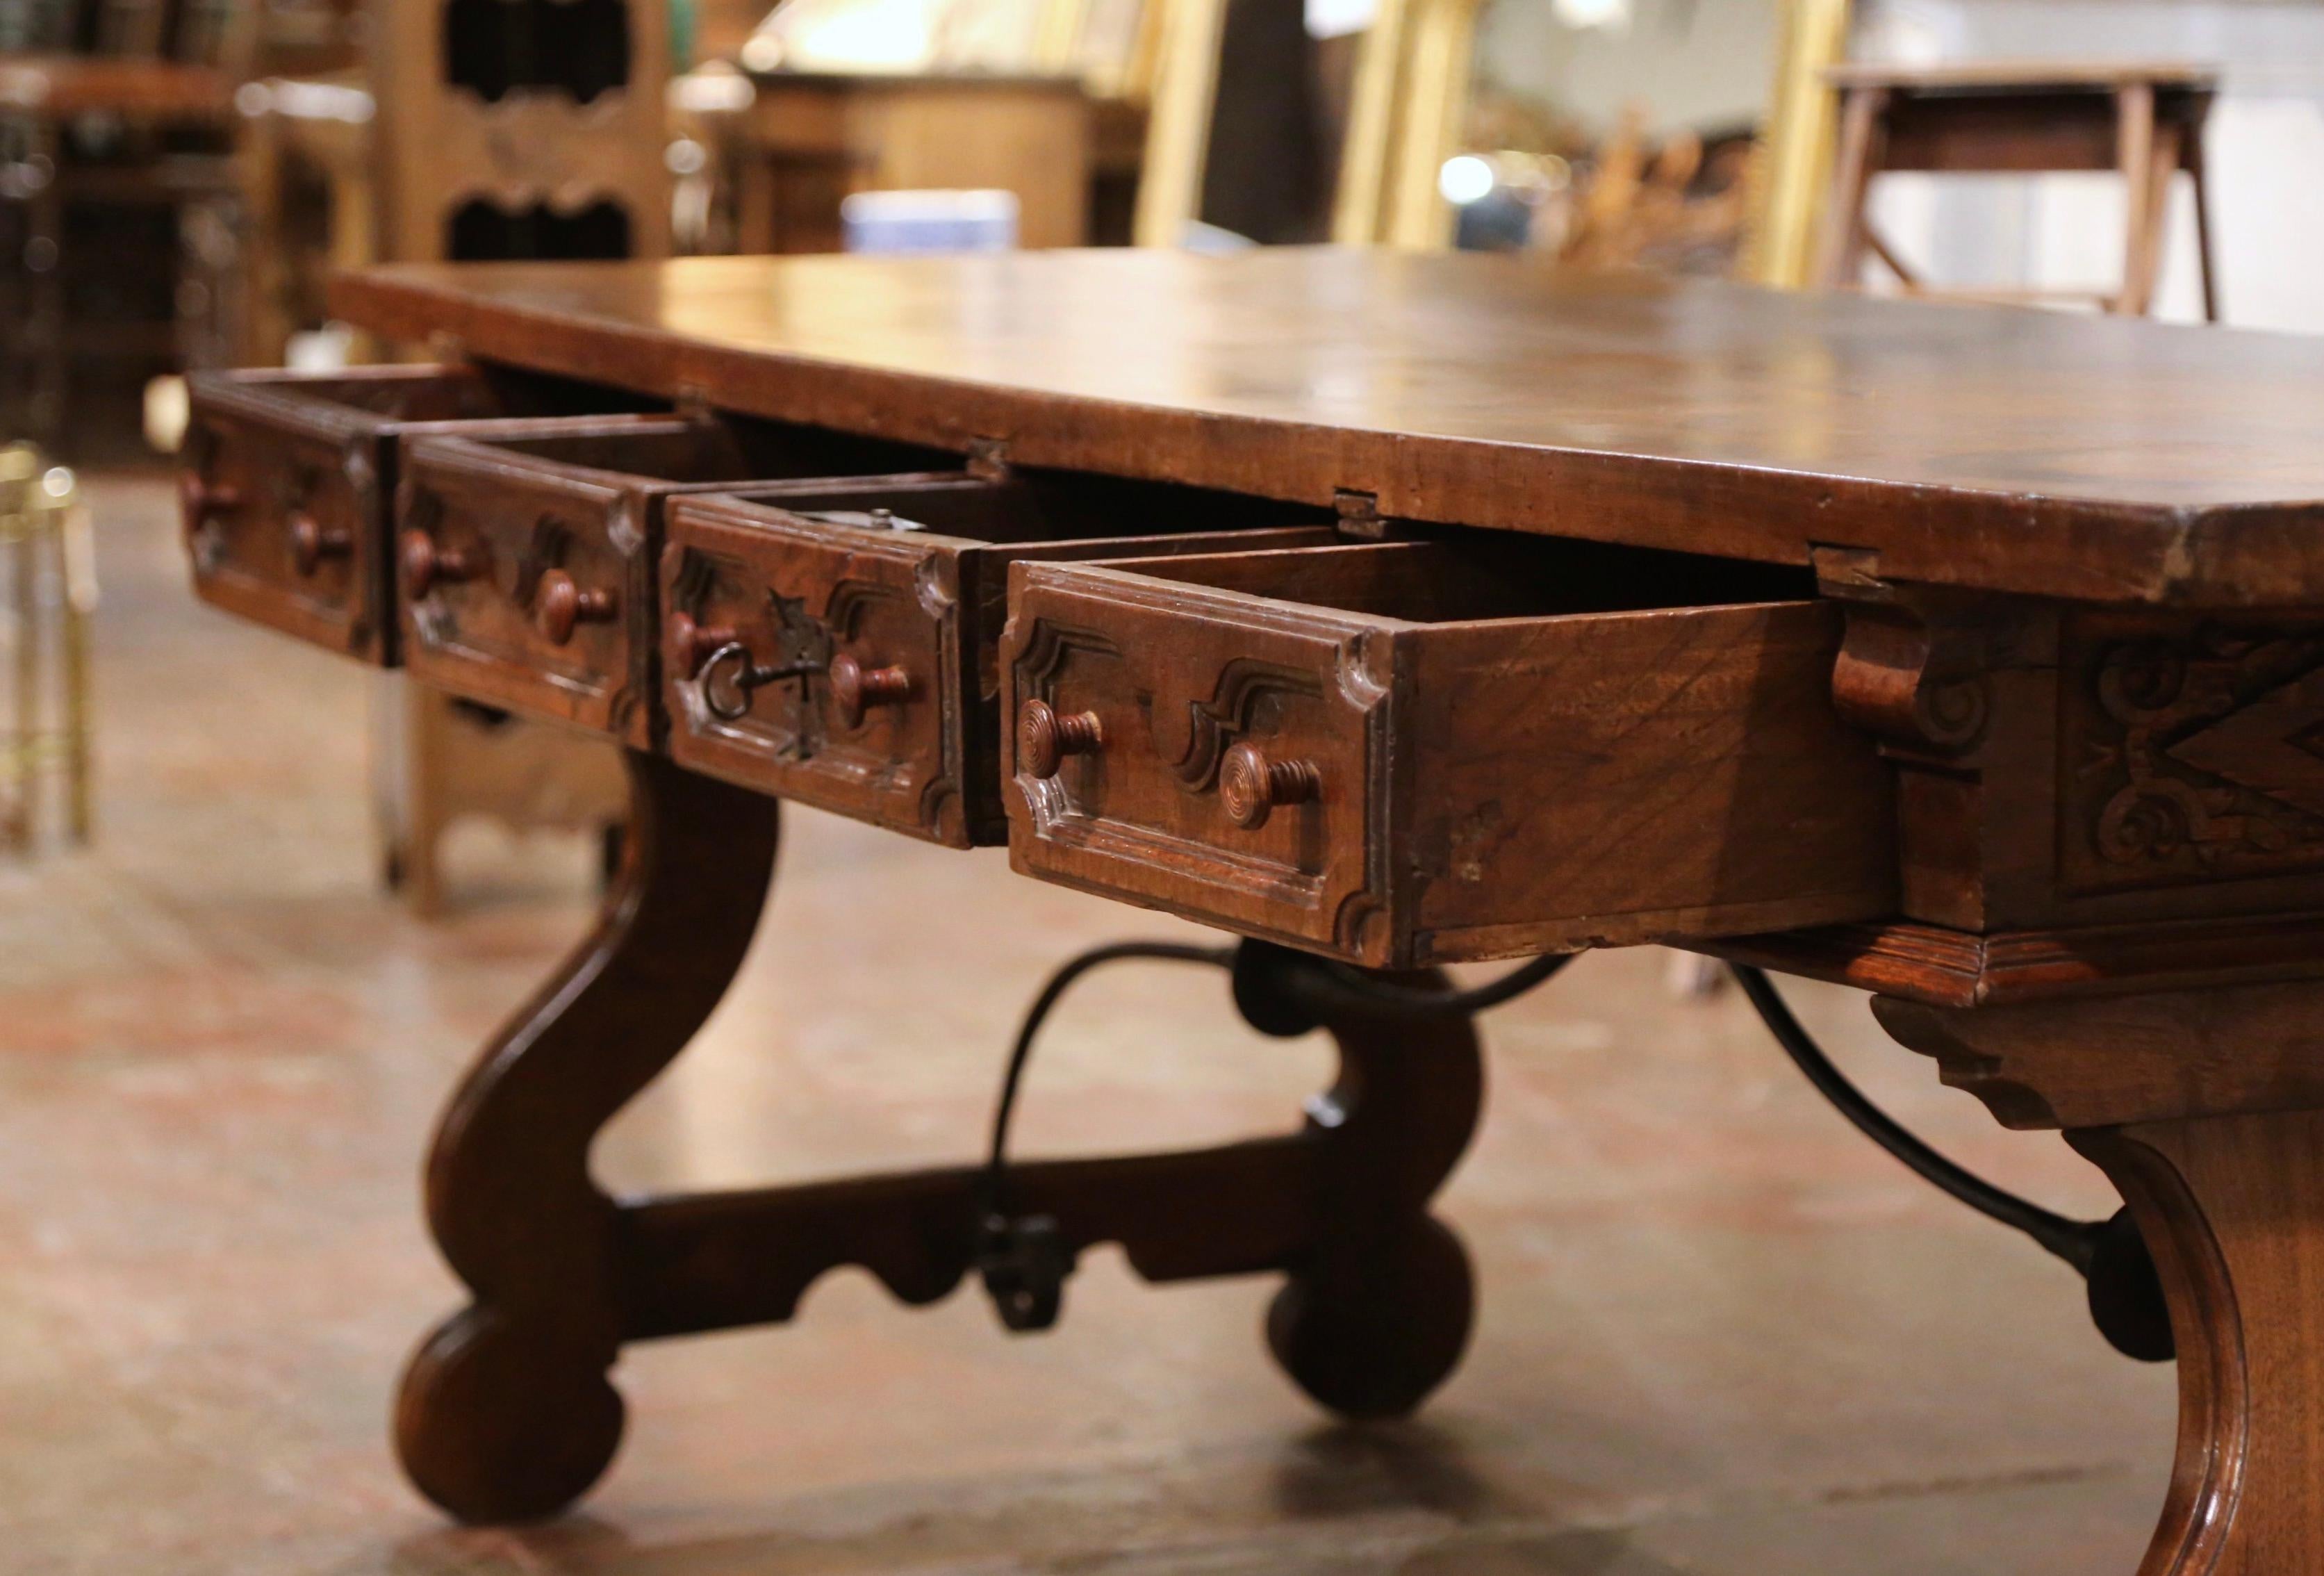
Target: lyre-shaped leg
(505, 1413)
(2206, 1108)
(1378, 1310)
(2233, 1209)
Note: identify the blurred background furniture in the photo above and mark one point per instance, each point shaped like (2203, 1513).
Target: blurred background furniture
(810, 139)
(1406, 117)
(310, 181)
(1796, 132)
(1265, 130)
(50, 567)
(120, 204)
(823, 99)
(446, 760)
(2142, 121)
(520, 129)
(507, 129)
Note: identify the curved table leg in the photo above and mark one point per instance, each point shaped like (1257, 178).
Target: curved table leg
(506, 1413)
(1378, 1308)
(2206, 1108)
(2233, 1209)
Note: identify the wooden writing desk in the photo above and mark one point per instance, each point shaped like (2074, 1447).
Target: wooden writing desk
(1399, 609)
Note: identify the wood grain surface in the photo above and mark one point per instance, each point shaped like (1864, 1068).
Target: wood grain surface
(1992, 447)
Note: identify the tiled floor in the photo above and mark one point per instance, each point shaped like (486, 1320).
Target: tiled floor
(1720, 1335)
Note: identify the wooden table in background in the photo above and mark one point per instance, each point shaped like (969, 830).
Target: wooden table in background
(1971, 656)
(814, 138)
(2143, 121)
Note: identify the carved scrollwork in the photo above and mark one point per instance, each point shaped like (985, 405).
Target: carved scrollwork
(2193, 751)
(1950, 714)
(2140, 678)
(1906, 681)
(1211, 725)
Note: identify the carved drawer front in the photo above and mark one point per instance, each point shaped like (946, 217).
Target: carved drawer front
(527, 560)
(840, 646)
(289, 483)
(1424, 752)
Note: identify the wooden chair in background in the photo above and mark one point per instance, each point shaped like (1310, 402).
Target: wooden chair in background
(2144, 122)
(519, 136)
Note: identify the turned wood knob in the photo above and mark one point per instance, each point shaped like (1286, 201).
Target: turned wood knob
(561, 606)
(687, 645)
(199, 497)
(311, 542)
(1250, 784)
(427, 566)
(1045, 737)
(855, 689)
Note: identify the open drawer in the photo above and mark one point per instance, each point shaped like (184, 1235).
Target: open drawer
(1466, 748)
(837, 646)
(288, 481)
(527, 560)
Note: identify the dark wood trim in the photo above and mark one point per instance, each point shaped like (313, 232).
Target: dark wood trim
(1954, 968)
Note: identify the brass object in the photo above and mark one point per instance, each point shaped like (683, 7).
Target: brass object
(1178, 125)
(44, 528)
(1412, 90)
(1793, 175)
(1412, 87)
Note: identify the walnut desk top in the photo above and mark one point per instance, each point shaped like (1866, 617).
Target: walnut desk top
(1988, 448)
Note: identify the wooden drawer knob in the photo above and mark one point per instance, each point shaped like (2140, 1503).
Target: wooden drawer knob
(427, 566)
(561, 606)
(687, 645)
(200, 498)
(312, 542)
(1250, 784)
(1045, 737)
(855, 689)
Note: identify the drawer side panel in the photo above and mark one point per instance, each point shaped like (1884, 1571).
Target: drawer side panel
(1628, 778)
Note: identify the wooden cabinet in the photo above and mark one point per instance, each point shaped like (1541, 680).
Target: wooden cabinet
(1419, 752)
